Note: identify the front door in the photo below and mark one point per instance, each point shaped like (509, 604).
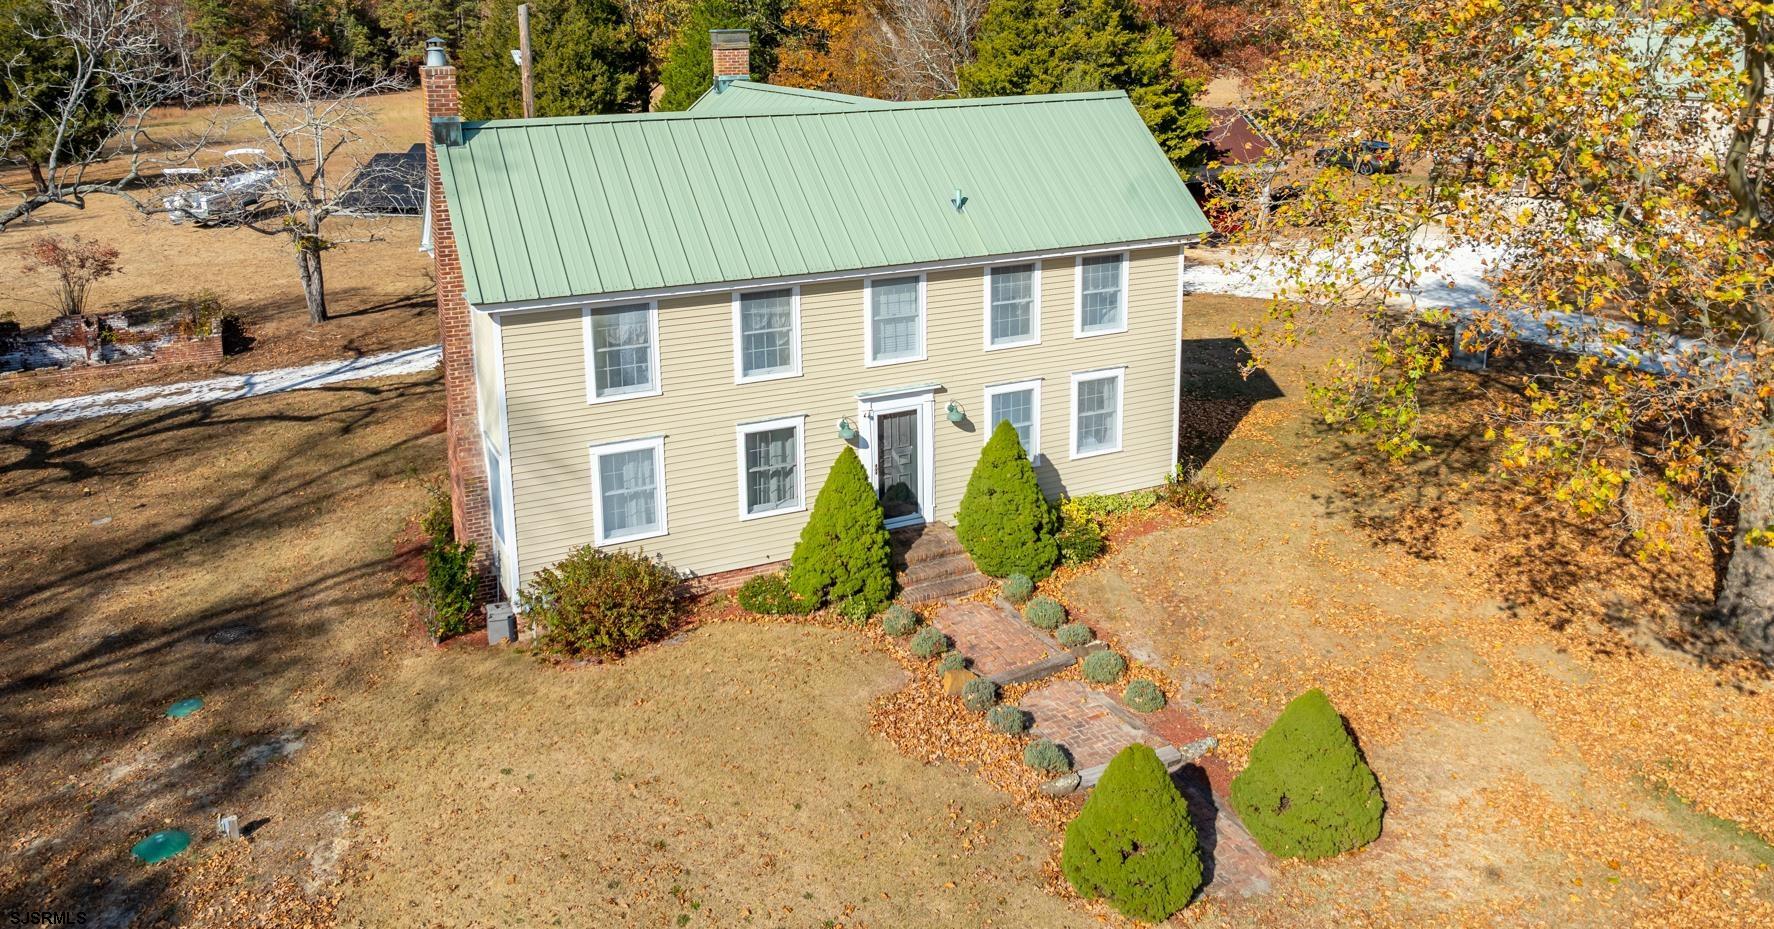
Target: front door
(896, 465)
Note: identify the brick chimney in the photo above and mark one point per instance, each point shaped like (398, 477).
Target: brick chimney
(468, 479)
(732, 50)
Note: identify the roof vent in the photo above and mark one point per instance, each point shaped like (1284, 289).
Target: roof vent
(958, 199)
(446, 130)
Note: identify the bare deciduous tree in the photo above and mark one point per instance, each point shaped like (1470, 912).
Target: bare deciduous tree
(312, 115)
(927, 43)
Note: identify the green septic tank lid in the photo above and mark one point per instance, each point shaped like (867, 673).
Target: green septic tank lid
(185, 707)
(161, 845)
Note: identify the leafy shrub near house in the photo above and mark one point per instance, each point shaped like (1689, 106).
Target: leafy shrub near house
(842, 554)
(448, 594)
(769, 595)
(952, 661)
(1134, 845)
(1189, 490)
(929, 642)
(1004, 521)
(1074, 635)
(1080, 536)
(1046, 755)
(596, 602)
(1017, 588)
(1104, 667)
(1044, 613)
(899, 621)
(1306, 792)
(857, 610)
(979, 695)
(1007, 719)
(1143, 696)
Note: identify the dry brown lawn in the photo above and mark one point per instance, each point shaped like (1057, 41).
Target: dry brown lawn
(380, 293)
(1552, 753)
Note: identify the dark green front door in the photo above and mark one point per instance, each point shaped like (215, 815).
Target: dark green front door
(896, 464)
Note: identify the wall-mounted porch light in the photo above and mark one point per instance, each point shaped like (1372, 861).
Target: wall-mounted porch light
(956, 414)
(846, 429)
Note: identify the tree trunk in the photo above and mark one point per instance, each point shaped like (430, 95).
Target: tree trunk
(1746, 601)
(38, 181)
(313, 281)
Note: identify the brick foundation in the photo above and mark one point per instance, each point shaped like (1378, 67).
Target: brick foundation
(468, 478)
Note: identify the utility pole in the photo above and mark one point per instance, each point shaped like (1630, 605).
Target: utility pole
(523, 52)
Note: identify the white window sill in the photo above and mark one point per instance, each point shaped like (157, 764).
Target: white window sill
(1020, 343)
(884, 362)
(799, 508)
(1092, 333)
(774, 376)
(637, 537)
(630, 395)
(1095, 453)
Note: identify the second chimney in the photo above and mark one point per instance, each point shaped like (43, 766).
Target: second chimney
(732, 51)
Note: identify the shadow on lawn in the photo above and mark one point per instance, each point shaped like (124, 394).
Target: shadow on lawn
(85, 679)
(1217, 395)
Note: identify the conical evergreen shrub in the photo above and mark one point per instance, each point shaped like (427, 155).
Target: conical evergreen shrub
(1004, 522)
(1307, 793)
(1133, 844)
(843, 555)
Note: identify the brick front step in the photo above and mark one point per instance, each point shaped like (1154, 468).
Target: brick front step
(916, 544)
(937, 569)
(943, 588)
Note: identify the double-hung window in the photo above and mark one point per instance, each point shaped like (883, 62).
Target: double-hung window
(1020, 405)
(766, 335)
(770, 462)
(1102, 294)
(622, 351)
(1013, 305)
(1096, 412)
(628, 484)
(895, 330)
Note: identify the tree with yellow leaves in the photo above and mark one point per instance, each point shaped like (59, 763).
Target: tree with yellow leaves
(1610, 163)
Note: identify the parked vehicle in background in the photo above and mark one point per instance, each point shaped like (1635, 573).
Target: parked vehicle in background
(225, 195)
(1369, 157)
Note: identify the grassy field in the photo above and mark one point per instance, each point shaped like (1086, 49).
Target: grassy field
(379, 292)
(1552, 753)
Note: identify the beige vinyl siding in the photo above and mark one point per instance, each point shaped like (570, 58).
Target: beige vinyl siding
(483, 330)
(552, 427)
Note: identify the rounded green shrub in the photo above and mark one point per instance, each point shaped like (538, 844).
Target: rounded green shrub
(929, 642)
(1045, 755)
(1004, 521)
(1044, 613)
(1143, 696)
(602, 602)
(769, 595)
(1017, 588)
(1074, 635)
(1080, 537)
(1104, 667)
(857, 610)
(1134, 845)
(952, 661)
(1306, 792)
(899, 621)
(1007, 719)
(842, 554)
(979, 695)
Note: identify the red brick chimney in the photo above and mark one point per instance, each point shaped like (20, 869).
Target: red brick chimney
(732, 50)
(468, 478)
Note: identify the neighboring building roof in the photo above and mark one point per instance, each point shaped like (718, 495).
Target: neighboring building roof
(752, 98)
(558, 208)
(389, 184)
(1235, 138)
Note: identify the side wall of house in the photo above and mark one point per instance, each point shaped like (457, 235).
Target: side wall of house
(552, 427)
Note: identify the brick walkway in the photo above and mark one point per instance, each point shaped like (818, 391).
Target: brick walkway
(1089, 723)
(1002, 646)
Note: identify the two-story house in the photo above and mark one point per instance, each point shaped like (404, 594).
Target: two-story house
(661, 329)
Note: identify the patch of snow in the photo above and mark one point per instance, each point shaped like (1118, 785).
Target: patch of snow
(220, 389)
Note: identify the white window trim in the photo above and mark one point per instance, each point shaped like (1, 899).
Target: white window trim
(1078, 331)
(657, 445)
(868, 413)
(1034, 336)
(1034, 387)
(799, 423)
(794, 308)
(591, 356)
(868, 323)
(1119, 375)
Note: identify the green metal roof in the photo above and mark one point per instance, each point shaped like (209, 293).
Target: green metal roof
(752, 98)
(557, 208)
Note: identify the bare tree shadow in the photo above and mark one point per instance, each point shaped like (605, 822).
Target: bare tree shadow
(1217, 394)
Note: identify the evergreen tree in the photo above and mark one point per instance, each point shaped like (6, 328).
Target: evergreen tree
(843, 553)
(586, 56)
(1049, 46)
(1134, 844)
(688, 71)
(32, 89)
(1004, 521)
(1306, 792)
(408, 23)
